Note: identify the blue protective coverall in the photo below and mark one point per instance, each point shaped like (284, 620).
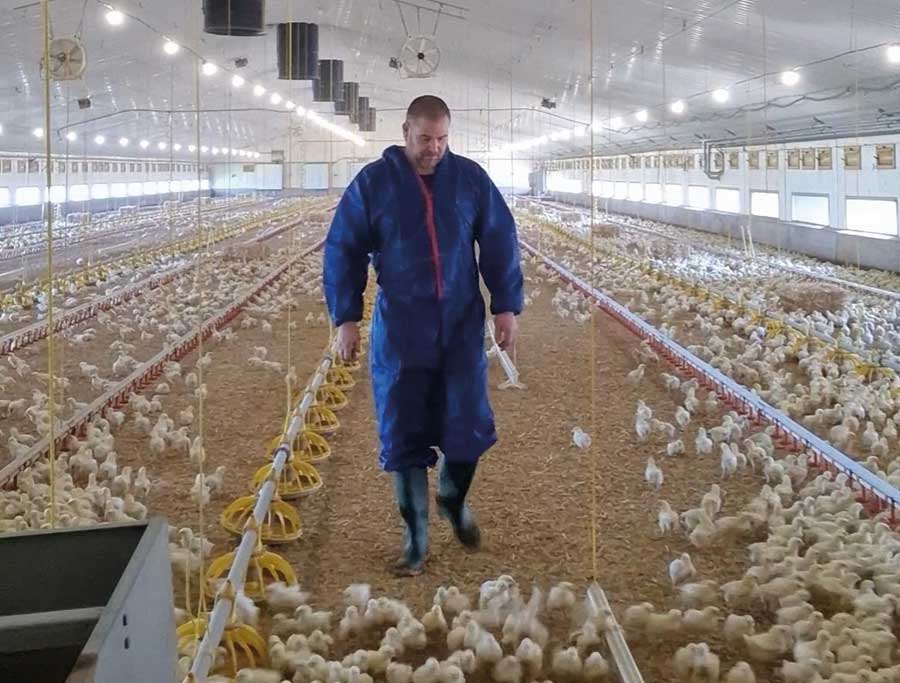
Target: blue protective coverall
(428, 367)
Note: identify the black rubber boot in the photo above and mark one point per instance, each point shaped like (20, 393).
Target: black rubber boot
(454, 480)
(411, 491)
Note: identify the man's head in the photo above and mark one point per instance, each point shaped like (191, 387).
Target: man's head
(426, 131)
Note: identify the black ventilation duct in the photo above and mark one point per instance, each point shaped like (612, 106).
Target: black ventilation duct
(298, 51)
(329, 86)
(234, 17)
(362, 106)
(349, 104)
(367, 121)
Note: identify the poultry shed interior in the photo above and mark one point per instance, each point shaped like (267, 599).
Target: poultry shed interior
(686, 216)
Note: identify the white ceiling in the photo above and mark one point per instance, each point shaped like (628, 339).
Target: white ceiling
(496, 64)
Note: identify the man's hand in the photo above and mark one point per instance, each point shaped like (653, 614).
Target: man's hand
(506, 329)
(348, 341)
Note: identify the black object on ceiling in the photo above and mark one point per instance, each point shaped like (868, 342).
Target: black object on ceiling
(234, 17)
(329, 86)
(367, 122)
(298, 51)
(349, 104)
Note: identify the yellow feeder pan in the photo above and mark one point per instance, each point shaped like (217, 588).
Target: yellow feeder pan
(244, 647)
(351, 365)
(341, 378)
(332, 397)
(320, 419)
(298, 478)
(264, 567)
(281, 525)
(311, 447)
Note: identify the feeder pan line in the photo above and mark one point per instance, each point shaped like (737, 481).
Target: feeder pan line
(149, 370)
(598, 606)
(876, 291)
(799, 327)
(884, 494)
(222, 609)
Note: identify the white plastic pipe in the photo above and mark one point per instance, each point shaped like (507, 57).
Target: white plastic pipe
(509, 369)
(221, 611)
(598, 606)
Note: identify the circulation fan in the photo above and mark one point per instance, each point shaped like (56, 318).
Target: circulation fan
(67, 59)
(419, 57)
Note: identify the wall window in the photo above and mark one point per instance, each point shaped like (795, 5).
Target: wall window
(99, 191)
(192, 185)
(808, 208)
(635, 192)
(4, 196)
(150, 187)
(764, 204)
(57, 194)
(556, 181)
(653, 193)
(315, 177)
(118, 190)
(698, 197)
(204, 184)
(872, 215)
(28, 196)
(79, 193)
(602, 188)
(162, 187)
(674, 194)
(728, 199)
(620, 191)
(135, 189)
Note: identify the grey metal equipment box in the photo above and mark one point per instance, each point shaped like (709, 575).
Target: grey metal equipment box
(90, 605)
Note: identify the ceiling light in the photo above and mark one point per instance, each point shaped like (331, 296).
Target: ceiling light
(177, 146)
(233, 152)
(161, 146)
(99, 139)
(677, 107)
(209, 69)
(642, 116)
(275, 98)
(301, 110)
(170, 47)
(192, 148)
(256, 155)
(289, 105)
(114, 17)
(144, 144)
(893, 54)
(123, 142)
(790, 78)
(721, 95)
(615, 122)
(237, 80)
(38, 133)
(215, 150)
(580, 131)
(71, 136)
(258, 90)
(204, 149)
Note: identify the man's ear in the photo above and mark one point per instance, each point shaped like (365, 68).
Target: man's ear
(405, 128)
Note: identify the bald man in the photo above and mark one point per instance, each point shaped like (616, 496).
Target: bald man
(417, 213)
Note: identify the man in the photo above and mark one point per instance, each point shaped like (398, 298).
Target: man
(418, 211)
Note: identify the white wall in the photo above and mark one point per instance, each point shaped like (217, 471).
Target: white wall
(838, 183)
(246, 176)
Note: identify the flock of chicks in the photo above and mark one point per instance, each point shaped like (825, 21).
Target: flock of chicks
(819, 596)
(504, 636)
(91, 486)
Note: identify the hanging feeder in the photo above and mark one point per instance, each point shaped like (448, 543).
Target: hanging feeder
(298, 478)
(234, 17)
(329, 86)
(321, 419)
(332, 397)
(281, 524)
(341, 378)
(311, 447)
(263, 568)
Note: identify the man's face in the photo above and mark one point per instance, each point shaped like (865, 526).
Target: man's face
(426, 141)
